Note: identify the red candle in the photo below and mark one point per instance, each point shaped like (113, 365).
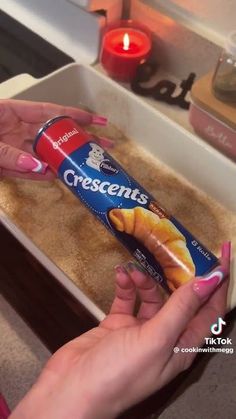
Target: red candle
(123, 49)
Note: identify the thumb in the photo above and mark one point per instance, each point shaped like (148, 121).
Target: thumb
(17, 160)
(184, 303)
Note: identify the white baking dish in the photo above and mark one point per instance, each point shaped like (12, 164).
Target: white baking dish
(188, 155)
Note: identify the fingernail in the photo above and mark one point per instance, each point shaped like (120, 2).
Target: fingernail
(99, 120)
(134, 266)
(120, 269)
(4, 409)
(204, 287)
(28, 163)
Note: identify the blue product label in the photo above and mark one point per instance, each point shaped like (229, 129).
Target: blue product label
(161, 244)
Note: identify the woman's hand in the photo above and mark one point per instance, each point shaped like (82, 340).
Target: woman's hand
(128, 357)
(19, 124)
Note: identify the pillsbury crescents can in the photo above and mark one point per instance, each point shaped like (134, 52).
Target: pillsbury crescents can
(163, 247)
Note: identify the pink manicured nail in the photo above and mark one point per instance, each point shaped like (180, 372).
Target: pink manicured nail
(99, 120)
(4, 410)
(204, 287)
(28, 163)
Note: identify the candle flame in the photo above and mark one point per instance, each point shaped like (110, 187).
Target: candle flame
(126, 42)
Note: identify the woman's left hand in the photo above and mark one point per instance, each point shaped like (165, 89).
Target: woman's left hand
(19, 123)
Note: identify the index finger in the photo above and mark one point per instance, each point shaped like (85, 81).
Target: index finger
(199, 326)
(197, 330)
(37, 112)
(185, 302)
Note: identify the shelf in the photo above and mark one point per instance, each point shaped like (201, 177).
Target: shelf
(212, 20)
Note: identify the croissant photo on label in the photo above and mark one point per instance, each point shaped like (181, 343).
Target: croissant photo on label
(163, 240)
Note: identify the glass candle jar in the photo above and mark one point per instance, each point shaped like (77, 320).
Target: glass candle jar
(124, 45)
(224, 79)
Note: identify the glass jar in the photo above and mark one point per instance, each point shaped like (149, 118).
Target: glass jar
(224, 79)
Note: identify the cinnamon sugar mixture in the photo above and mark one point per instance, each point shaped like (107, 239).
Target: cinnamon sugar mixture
(80, 245)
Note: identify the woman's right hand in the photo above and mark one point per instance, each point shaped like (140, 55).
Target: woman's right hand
(129, 356)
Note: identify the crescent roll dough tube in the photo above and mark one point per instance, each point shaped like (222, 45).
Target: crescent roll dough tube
(163, 246)
(161, 238)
